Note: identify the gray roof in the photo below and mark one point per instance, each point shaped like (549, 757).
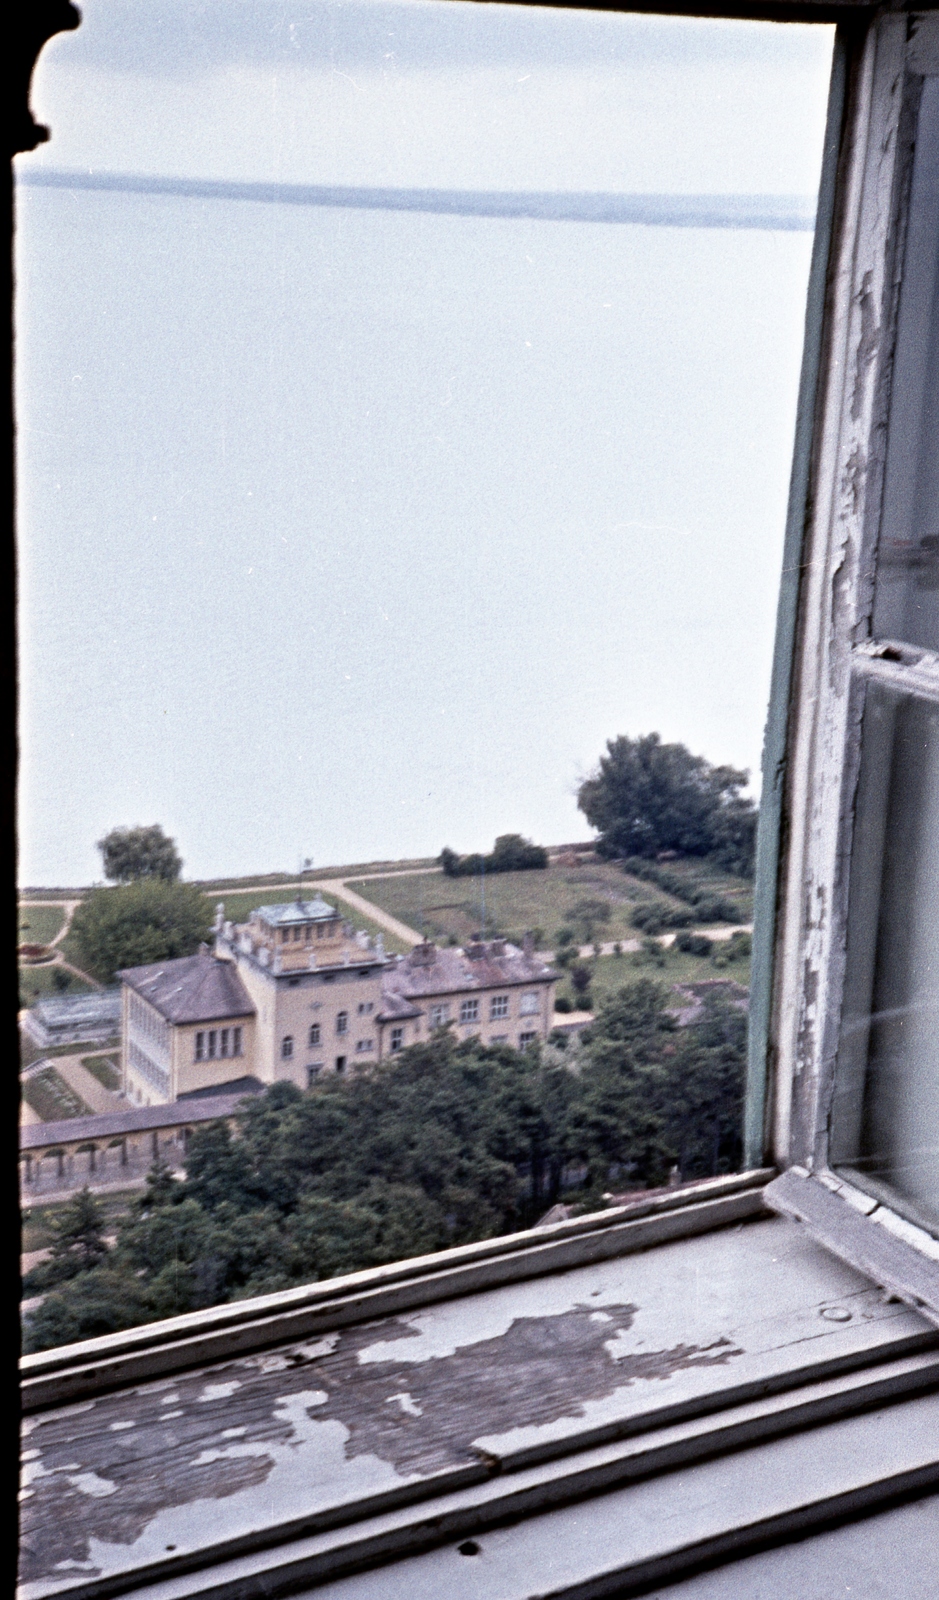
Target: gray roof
(197, 988)
(136, 1119)
(297, 911)
(394, 1008)
(429, 971)
(62, 1010)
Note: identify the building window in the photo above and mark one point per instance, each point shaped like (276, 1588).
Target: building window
(439, 1014)
(342, 1022)
(469, 1010)
(530, 1004)
(297, 935)
(525, 1039)
(236, 1041)
(499, 1038)
(315, 1034)
(212, 1040)
(364, 1045)
(312, 1073)
(397, 1039)
(286, 1046)
(498, 1007)
(340, 1063)
(200, 1046)
(223, 1042)
(366, 1007)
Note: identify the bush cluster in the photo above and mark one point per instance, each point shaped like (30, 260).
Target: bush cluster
(511, 853)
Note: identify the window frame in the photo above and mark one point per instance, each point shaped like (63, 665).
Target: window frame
(827, 656)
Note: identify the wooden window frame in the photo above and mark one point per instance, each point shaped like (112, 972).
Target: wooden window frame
(827, 657)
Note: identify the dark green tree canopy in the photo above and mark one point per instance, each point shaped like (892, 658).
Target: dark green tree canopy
(446, 1142)
(132, 853)
(511, 853)
(150, 920)
(646, 797)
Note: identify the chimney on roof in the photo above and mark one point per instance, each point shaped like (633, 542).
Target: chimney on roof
(423, 954)
(528, 945)
(475, 950)
(497, 947)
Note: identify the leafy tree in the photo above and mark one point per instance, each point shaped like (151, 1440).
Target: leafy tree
(646, 797)
(103, 1300)
(617, 1120)
(78, 1245)
(132, 853)
(151, 920)
(446, 1142)
(511, 853)
(701, 1094)
(580, 975)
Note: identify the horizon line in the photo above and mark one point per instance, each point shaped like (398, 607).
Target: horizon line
(789, 213)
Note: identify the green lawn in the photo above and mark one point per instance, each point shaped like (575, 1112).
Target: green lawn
(35, 981)
(52, 1098)
(239, 906)
(610, 973)
(105, 1069)
(39, 924)
(595, 899)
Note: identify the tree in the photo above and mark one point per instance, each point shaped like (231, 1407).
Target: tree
(646, 797)
(151, 920)
(132, 853)
(511, 853)
(78, 1246)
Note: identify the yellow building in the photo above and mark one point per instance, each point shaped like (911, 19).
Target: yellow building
(295, 992)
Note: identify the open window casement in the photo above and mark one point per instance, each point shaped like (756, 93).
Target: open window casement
(854, 1119)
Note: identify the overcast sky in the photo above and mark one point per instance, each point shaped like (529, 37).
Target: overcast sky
(350, 534)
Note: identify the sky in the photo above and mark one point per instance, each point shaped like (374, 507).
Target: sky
(349, 533)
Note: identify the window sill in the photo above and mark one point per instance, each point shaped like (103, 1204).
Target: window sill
(635, 1352)
(874, 1239)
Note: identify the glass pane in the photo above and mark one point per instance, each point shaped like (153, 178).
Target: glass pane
(353, 475)
(907, 601)
(886, 1110)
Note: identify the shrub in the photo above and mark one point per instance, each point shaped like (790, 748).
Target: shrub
(511, 853)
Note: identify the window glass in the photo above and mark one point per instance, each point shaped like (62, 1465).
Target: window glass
(885, 1122)
(471, 445)
(907, 601)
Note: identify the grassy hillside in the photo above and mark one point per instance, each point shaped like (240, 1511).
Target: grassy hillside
(610, 973)
(595, 899)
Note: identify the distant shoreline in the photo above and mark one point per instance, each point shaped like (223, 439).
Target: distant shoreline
(789, 213)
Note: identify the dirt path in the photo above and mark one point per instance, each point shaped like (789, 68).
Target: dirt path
(70, 909)
(369, 909)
